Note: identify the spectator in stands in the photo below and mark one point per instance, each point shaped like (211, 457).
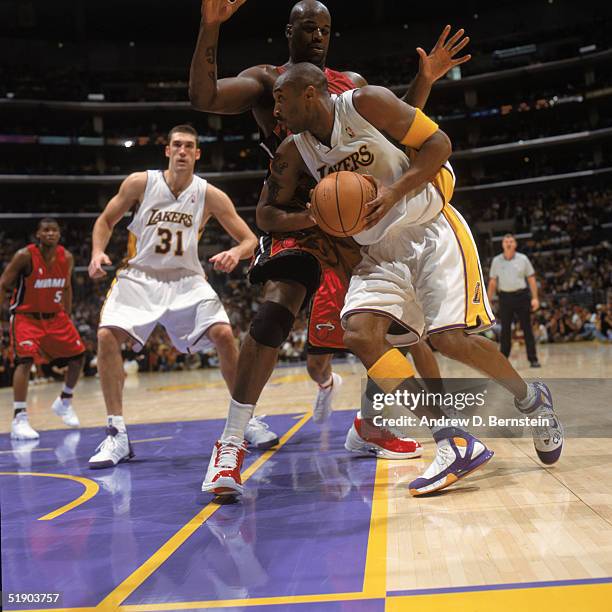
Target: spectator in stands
(604, 322)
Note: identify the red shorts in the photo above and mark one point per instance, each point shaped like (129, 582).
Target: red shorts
(324, 327)
(323, 265)
(48, 338)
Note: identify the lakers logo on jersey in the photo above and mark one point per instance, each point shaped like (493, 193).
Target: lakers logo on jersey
(362, 157)
(170, 216)
(477, 294)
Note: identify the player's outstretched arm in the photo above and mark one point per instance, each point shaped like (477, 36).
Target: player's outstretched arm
(279, 191)
(207, 93)
(412, 128)
(435, 64)
(219, 205)
(130, 193)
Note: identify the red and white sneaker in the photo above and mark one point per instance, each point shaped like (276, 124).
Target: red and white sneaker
(364, 438)
(223, 474)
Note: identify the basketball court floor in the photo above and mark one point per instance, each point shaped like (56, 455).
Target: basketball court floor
(318, 528)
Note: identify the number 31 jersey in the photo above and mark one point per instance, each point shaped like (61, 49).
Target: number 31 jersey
(164, 232)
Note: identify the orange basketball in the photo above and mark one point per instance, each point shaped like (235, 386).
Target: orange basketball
(338, 203)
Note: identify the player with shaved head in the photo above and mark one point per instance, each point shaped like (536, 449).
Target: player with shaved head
(299, 265)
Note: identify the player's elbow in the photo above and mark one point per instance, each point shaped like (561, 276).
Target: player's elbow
(202, 98)
(444, 144)
(264, 219)
(199, 100)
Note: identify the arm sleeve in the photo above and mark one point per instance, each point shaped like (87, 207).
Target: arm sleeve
(529, 271)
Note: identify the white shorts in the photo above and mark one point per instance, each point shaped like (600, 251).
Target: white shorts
(426, 278)
(184, 303)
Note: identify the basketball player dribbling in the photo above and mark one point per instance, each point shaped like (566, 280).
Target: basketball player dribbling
(420, 268)
(317, 265)
(163, 281)
(40, 322)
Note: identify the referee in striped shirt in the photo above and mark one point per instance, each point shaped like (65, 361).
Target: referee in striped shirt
(513, 276)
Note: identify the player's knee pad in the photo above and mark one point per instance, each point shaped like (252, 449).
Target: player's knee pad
(272, 324)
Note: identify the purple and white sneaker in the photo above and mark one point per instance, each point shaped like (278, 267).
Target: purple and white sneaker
(547, 437)
(458, 455)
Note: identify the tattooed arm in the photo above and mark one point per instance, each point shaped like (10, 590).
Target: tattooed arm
(207, 93)
(279, 190)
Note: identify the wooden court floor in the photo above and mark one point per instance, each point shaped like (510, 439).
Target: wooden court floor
(516, 535)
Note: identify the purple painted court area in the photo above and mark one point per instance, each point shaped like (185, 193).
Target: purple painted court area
(301, 527)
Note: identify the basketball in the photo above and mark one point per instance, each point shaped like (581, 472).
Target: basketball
(338, 203)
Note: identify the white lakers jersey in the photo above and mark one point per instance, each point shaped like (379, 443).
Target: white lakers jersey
(357, 146)
(164, 231)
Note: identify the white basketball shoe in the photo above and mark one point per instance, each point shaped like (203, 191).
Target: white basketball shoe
(21, 428)
(114, 449)
(223, 473)
(63, 408)
(323, 404)
(258, 434)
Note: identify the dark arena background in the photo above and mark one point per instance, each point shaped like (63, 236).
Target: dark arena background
(88, 93)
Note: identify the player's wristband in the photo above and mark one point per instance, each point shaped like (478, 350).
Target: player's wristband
(420, 130)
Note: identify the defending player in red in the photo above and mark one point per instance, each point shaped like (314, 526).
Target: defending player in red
(41, 329)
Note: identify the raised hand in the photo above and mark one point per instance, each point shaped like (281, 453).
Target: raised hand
(218, 11)
(442, 57)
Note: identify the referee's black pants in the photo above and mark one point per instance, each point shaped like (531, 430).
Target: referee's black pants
(516, 304)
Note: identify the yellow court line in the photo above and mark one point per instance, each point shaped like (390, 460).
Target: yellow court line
(91, 489)
(216, 603)
(158, 558)
(375, 572)
(152, 439)
(242, 603)
(567, 598)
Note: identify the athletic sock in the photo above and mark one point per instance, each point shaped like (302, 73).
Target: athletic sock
(328, 383)
(527, 402)
(238, 418)
(19, 407)
(117, 422)
(66, 393)
(390, 372)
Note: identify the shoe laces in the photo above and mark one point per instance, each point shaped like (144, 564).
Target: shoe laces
(227, 456)
(258, 423)
(544, 413)
(445, 455)
(109, 443)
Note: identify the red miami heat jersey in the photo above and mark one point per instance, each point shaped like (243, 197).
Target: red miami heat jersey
(337, 83)
(43, 289)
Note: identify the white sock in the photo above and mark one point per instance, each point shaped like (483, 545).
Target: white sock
(238, 418)
(328, 384)
(117, 422)
(526, 403)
